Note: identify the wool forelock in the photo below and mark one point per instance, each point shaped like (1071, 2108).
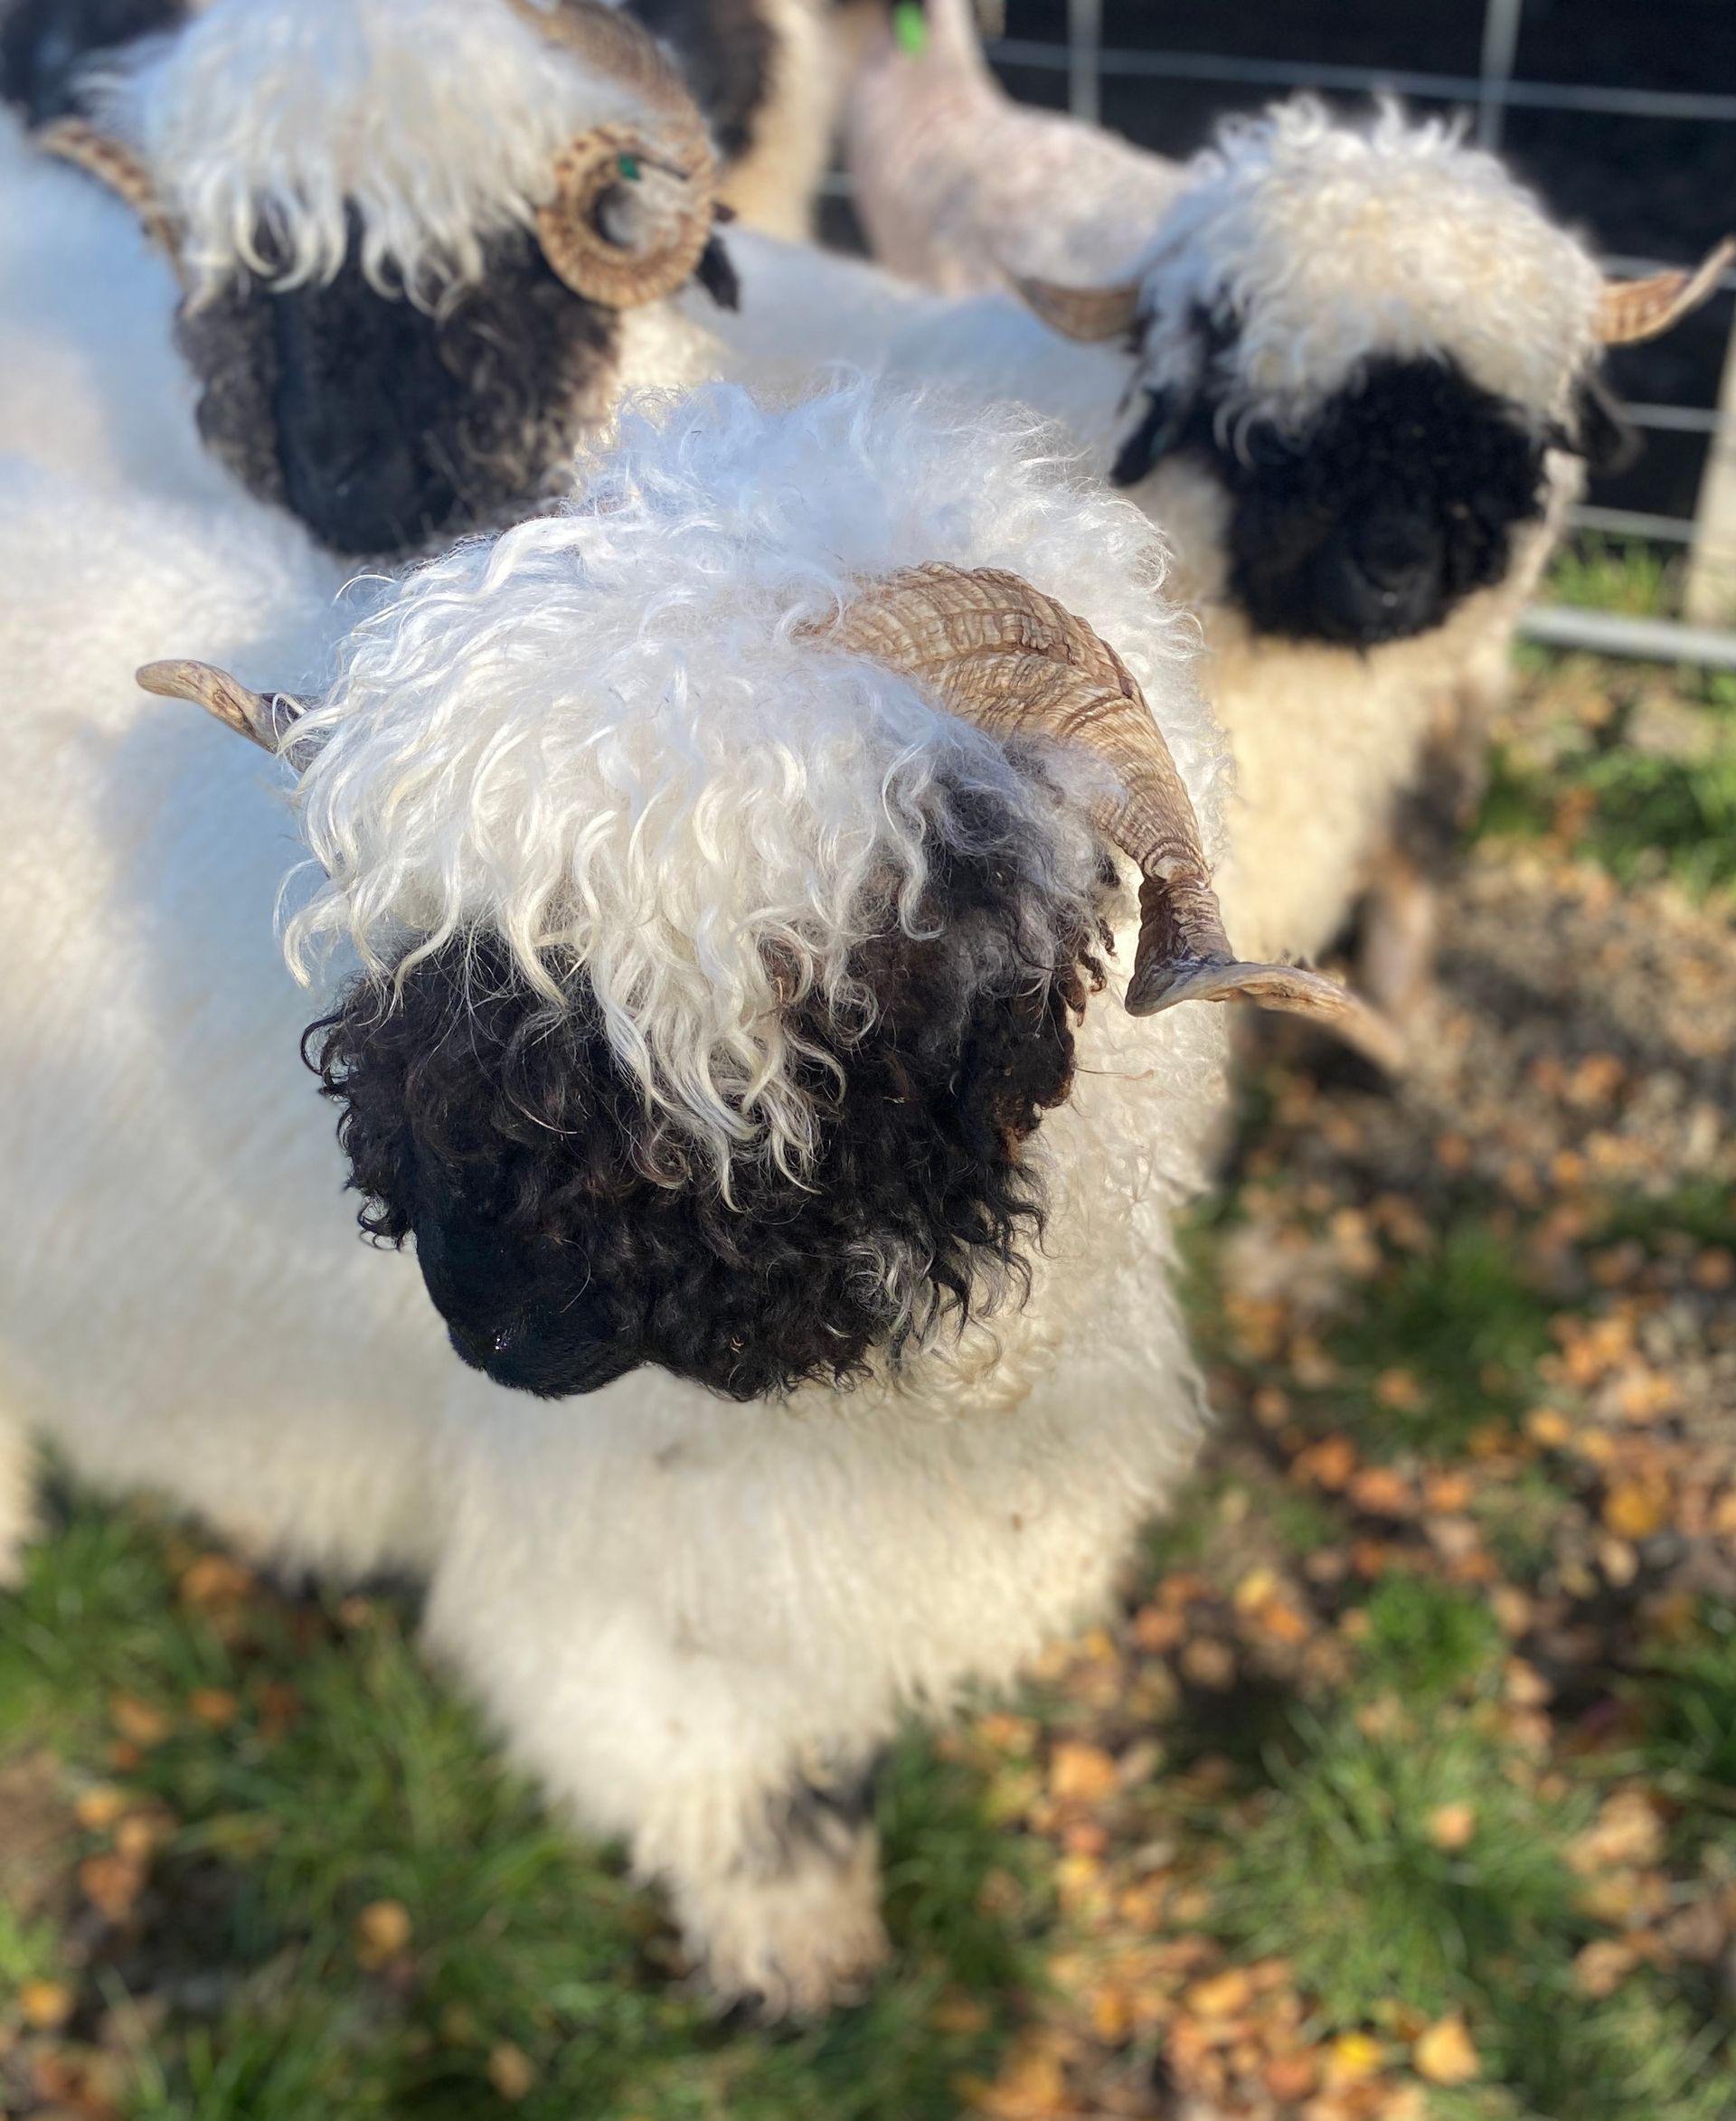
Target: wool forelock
(1322, 246)
(434, 123)
(604, 738)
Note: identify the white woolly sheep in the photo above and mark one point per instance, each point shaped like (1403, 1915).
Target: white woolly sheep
(724, 1028)
(1350, 369)
(423, 245)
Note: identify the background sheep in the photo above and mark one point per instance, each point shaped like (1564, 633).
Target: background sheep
(423, 244)
(768, 75)
(724, 1028)
(1350, 370)
(44, 45)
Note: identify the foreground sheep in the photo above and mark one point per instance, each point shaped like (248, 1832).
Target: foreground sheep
(727, 1025)
(1350, 370)
(422, 246)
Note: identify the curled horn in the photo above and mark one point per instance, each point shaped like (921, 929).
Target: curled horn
(663, 176)
(70, 139)
(1000, 655)
(1087, 314)
(1632, 310)
(263, 718)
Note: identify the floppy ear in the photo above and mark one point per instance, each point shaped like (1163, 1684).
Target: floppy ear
(1155, 436)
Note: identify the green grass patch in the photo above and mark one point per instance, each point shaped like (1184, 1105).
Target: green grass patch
(383, 1786)
(1463, 1319)
(1594, 572)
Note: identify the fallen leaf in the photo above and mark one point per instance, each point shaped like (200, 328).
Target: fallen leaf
(1636, 1509)
(111, 1883)
(140, 1722)
(1082, 1773)
(1452, 1826)
(213, 1706)
(1399, 1390)
(1352, 2057)
(1292, 2078)
(380, 1932)
(1444, 2055)
(215, 1581)
(45, 2005)
(1602, 1967)
(1224, 1995)
(98, 1808)
(511, 2072)
(1207, 1663)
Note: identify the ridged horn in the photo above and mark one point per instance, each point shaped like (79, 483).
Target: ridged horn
(660, 177)
(1000, 655)
(1087, 314)
(70, 139)
(1632, 310)
(263, 718)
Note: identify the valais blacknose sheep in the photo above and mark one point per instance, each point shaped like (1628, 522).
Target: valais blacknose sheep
(422, 246)
(1351, 369)
(739, 1029)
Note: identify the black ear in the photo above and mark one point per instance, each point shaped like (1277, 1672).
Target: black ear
(716, 274)
(1602, 432)
(1155, 437)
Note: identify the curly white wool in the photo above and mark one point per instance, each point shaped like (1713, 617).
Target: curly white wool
(437, 121)
(1334, 243)
(604, 735)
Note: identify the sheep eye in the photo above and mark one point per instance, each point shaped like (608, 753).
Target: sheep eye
(628, 166)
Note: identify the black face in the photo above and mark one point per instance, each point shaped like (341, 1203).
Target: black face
(383, 426)
(1398, 501)
(44, 43)
(506, 1141)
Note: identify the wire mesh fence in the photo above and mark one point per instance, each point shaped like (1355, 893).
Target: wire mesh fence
(1070, 62)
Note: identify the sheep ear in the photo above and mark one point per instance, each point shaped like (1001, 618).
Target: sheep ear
(1633, 310)
(1155, 437)
(1089, 314)
(263, 721)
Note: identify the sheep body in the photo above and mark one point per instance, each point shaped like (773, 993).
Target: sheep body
(1033, 191)
(695, 1620)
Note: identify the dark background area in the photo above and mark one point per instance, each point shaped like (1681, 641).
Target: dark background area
(1657, 188)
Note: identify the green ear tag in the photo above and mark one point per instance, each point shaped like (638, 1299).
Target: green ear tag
(910, 28)
(628, 165)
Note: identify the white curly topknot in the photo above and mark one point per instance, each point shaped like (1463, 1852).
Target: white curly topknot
(437, 121)
(1334, 243)
(603, 736)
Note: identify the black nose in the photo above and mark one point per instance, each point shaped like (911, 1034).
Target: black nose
(1397, 552)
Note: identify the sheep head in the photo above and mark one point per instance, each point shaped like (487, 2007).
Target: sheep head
(1370, 339)
(747, 1085)
(404, 312)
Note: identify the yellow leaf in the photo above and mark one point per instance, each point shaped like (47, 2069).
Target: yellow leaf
(1352, 2057)
(1223, 1995)
(1444, 2054)
(45, 2004)
(1451, 1827)
(511, 2072)
(382, 1929)
(1082, 1773)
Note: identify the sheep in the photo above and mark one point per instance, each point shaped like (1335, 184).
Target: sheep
(422, 246)
(768, 75)
(44, 44)
(1352, 369)
(724, 977)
